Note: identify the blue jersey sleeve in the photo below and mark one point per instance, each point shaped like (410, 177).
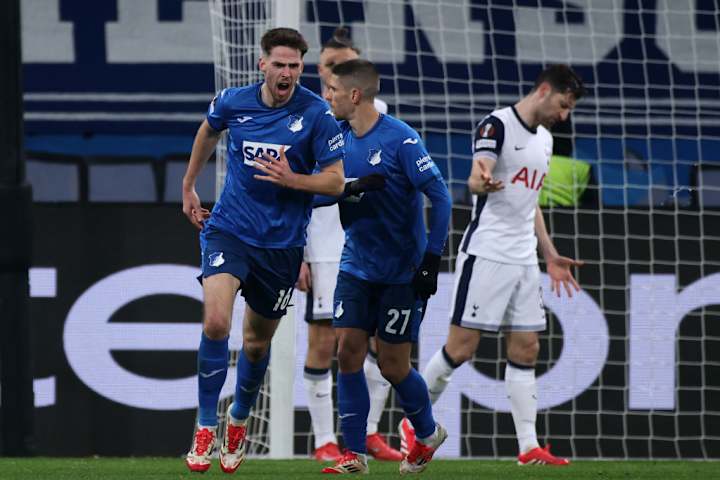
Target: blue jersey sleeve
(417, 162)
(328, 143)
(217, 111)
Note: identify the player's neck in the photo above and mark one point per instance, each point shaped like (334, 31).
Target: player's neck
(364, 119)
(268, 99)
(526, 111)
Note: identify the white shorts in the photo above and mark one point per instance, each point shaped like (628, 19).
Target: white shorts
(497, 296)
(320, 298)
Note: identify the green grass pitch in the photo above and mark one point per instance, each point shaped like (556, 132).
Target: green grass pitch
(174, 468)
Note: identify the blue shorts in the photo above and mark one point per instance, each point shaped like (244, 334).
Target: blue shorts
(392, 312)
(268, 275)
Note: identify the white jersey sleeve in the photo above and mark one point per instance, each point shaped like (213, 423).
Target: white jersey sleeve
(381, 106)
(502, 228)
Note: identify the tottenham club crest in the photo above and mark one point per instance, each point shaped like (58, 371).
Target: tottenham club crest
(295, 123)
(374, 156)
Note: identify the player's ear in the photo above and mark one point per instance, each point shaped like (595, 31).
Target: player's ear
(262, 63)
(355, 96)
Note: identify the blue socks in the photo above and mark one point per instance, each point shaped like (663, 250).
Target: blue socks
(353, 408)
(212, 370)
(415, 401)
(250, 377)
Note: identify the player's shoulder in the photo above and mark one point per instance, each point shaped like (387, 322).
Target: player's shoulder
(498, 117)
(239, 94)
(398, 132)
(545, 134)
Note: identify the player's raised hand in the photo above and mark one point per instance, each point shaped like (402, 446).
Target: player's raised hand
(489, 184)
(560, 271)
(276, 170)
(304, 281)
(193, 210)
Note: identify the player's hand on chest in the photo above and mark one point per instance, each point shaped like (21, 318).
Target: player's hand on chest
(258, 133)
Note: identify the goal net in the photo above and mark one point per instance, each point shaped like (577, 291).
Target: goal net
(630, 368)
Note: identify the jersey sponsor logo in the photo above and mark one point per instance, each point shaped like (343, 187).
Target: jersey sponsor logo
(216, 259)
(424, 163)
(244, 119)
(374, 156)
(295, 123)
(411, 141)
(251, 150)
(531, 182)
(485, 143)
(336, 142)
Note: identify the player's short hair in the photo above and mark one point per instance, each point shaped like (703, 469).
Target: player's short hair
(340, 40)
(283, 37)
(562, 79)
(359, 73)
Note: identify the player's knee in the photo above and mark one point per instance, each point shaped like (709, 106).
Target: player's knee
(255, 349)
(350, 356)
(216, 325)
(394, 372)
(524, 353)
(461, 352)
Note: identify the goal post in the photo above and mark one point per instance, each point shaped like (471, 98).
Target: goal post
(630, 370)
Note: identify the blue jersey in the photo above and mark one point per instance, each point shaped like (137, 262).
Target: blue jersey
(256, 211)
(386, 240)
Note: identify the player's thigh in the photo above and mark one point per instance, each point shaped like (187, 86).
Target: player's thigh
(258, 331)
(482, 292)
(219, 293)
(399, 314)
(271, 281)
(525, 311)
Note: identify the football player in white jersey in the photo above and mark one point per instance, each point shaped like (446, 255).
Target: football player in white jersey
(318, 275)
(497, 278)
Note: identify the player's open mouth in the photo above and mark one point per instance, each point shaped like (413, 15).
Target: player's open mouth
(283, 87)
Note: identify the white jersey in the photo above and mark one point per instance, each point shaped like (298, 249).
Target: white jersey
(325, 236)
(503, 223)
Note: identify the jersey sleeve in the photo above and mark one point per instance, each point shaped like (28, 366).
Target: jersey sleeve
(489, 137)
(217, 112)
(328, 143)
(417, 162)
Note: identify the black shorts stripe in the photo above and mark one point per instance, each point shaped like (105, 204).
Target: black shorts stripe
(462, 291)
(309, 306)
(479, 204)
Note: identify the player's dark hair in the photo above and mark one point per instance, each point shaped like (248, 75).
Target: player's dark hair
(562, 79)
(361, 74)
(283, 37)
(340, 39)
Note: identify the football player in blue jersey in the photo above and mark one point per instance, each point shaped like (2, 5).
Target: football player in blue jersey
(278, 131)
(389, 264)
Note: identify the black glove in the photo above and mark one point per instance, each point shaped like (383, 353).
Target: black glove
(425, 280)
(368, 183)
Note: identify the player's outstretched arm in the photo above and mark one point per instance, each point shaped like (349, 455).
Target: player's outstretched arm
(425, 280)
(480, 180)
(204, 145)
(329, 181)
(559, 268)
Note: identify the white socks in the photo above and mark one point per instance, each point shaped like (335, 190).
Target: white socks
(521, 389)
(437, 375)
(320, 404)
(379, 389)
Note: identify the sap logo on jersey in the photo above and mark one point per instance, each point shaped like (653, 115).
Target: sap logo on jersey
(252, 150)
